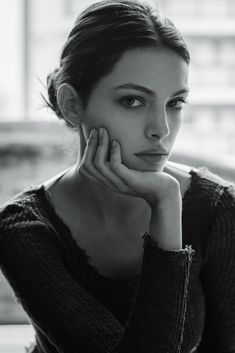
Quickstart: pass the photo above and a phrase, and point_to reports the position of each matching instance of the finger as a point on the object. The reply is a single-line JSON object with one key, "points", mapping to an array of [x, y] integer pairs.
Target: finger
{"points": [[102, 148], [102, 165], [95, 167], [121, 171], [94, 157], [128, 176], [85, 173], [91, 146]]}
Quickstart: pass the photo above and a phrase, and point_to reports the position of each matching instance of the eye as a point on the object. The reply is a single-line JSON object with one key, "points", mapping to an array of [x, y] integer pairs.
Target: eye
{"points": [[132, 101], [178, 103]]}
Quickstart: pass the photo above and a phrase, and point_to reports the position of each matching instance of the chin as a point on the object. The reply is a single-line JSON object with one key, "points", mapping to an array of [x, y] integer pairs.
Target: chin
{"points": [[151, 169], [146, 167]]}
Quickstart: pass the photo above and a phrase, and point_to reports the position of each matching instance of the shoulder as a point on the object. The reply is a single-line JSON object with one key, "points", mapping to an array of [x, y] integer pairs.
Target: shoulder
{"points": [[15, 210], [220, 192], [26, 233], [21, 217], [182, 173], [204, 186]]}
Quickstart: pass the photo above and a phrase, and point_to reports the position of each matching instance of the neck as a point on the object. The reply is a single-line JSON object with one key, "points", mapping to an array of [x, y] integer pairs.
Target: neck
{"points": [[105, 204]]}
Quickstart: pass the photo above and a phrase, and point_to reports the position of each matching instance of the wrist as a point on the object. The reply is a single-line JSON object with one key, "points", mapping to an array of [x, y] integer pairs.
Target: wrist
{"points": [[171, 197], [165, 222]]}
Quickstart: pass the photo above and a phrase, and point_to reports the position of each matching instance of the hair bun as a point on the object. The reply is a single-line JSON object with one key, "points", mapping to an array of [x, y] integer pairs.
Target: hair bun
{"points": [[52, 91]]}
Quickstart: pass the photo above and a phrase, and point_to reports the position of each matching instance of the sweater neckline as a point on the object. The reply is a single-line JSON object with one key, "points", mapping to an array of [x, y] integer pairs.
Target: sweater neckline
{"points": [[63, 229]]}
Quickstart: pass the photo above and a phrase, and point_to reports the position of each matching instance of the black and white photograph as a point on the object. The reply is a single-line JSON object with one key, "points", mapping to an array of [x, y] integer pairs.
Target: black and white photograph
{"points": [[117, 176]]}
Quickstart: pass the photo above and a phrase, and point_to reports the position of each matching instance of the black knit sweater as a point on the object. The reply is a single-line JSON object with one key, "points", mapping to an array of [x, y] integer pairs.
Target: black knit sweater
{"points": [[183, 300]]}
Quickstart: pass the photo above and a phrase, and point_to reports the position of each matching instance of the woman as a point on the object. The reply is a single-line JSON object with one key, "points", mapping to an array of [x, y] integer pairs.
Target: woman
{"points": [[72, 248]]}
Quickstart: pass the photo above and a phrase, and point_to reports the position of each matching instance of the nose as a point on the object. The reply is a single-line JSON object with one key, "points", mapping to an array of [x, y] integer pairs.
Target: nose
{"points": [[157, 124]]}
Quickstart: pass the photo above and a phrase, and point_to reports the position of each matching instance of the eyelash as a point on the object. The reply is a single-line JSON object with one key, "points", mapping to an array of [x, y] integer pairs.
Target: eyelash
{"points": [[140, 99], [182, 100]]}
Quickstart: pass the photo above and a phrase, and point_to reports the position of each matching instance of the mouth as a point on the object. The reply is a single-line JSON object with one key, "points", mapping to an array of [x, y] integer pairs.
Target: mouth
{"points": [[153, 157]]}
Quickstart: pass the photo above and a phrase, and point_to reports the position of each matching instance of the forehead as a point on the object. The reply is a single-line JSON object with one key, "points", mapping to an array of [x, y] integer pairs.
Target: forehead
{"points": [[159, 69]]}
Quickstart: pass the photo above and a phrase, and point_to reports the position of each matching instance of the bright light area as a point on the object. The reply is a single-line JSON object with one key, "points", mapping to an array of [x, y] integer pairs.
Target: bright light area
{"points": [[15, 338], [11, 59]]}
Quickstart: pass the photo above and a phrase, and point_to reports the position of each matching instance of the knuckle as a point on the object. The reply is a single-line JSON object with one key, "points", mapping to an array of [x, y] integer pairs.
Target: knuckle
{"points": [[85, 165], [114, 165], [84, 172], [81, 170], [120, 188], [123, 188], [97, 163], [101, 143], [101, 170]]}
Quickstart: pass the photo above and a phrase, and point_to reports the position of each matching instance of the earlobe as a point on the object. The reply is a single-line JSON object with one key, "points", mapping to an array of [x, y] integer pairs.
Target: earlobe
{"points": [[69, 103]]}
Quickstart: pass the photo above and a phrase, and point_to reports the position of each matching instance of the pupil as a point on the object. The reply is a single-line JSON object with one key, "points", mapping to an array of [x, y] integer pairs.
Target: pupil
{"points": [[130, 100]]}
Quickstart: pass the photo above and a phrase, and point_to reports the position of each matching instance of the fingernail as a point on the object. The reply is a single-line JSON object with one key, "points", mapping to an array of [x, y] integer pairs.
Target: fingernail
{"points": [[114, 143], [101, 131]]}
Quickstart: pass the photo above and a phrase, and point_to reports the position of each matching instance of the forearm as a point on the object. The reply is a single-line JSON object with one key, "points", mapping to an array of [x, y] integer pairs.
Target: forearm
{"points": [[165, 223]]}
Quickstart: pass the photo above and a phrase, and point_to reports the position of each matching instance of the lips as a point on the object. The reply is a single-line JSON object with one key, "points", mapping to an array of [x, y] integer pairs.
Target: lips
{"points": [[153, 152], [153, 155]]}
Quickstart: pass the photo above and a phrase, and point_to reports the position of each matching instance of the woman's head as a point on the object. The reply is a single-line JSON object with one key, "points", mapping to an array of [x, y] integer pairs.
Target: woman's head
{"points": [[101, 34], [114, 47]]}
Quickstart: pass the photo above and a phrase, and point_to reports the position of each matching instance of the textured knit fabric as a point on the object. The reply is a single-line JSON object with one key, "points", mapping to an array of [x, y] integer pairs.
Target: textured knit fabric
{"points": [[182, 301]]}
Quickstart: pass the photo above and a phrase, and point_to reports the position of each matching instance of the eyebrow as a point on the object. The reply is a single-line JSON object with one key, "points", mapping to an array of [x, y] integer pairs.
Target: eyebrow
{"points": [[149, 91]]}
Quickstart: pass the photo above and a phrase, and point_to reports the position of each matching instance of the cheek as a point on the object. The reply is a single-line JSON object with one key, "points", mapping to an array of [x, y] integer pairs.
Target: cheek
{"points": [[90, 121], [175, 124], [118, 125]]}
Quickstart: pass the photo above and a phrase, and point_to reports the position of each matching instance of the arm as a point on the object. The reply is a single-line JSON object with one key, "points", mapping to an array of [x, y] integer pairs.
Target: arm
{"points": [[70, 317], [218, 278], [165, 223]]}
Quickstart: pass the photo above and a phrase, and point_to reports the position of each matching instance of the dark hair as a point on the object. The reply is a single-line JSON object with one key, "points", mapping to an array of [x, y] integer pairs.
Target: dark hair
{"points": [[101, 34]]}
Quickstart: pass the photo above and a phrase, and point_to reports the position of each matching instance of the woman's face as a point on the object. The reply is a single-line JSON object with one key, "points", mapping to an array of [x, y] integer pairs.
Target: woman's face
{"points": [[140, 104]]}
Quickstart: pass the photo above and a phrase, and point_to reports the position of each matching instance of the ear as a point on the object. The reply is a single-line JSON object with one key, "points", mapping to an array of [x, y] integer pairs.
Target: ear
{"points": [[69, 103]]}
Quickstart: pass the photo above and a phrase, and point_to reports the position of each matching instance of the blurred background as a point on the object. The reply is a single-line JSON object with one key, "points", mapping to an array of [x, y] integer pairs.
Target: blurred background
{"points": [[34, 145]]}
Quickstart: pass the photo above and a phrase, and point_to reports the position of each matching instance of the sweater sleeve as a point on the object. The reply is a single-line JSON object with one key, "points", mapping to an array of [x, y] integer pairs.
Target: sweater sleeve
{"points": [[218, 276], [73, 320]]}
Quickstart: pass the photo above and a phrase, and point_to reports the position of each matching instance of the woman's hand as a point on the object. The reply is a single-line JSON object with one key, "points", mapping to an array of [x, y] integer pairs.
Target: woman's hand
{"points": [[160, 190], [114, 176]]}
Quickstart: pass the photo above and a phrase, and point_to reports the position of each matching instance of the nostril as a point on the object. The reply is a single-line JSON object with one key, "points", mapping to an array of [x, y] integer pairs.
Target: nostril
{"points": [[159, 133]]}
